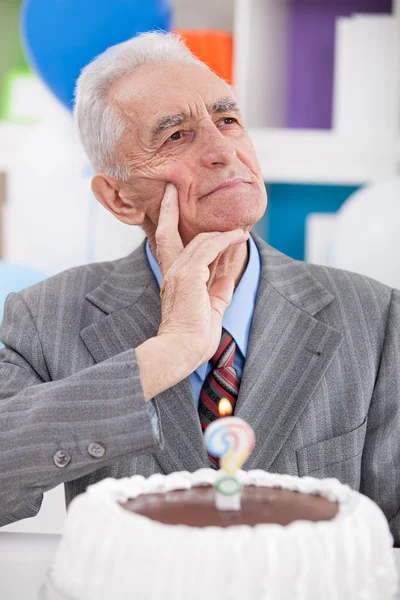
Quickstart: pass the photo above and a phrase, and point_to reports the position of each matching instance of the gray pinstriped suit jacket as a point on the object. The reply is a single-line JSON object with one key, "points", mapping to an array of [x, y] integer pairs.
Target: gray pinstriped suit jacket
{"points": [[320, 387]]}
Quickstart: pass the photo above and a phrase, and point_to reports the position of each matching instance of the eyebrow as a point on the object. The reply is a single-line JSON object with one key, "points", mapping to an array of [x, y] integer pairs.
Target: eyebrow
{"points": [[222, 105], [227, 104]]}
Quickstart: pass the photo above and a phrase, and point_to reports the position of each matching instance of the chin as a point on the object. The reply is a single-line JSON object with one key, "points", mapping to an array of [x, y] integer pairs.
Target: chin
{"points": [[229, 219], [233, 211], [225, 213]]}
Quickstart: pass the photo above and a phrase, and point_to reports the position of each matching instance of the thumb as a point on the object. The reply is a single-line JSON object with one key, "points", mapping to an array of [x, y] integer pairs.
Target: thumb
{"points": [[221, 293]]}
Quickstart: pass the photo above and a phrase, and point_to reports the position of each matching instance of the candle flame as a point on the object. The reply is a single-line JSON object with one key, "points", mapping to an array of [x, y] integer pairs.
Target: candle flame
{"points": [[224, 407]]}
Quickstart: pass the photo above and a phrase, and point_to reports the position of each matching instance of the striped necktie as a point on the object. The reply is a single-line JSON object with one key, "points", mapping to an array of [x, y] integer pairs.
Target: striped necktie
{"points": [[221, 382]]}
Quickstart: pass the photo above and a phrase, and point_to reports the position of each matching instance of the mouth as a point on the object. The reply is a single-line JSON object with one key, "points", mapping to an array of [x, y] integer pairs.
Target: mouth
{"points": [[225, 185]]}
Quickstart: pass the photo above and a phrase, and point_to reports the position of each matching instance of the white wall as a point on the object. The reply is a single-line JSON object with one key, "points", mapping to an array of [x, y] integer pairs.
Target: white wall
{"points": [[203, 14]]}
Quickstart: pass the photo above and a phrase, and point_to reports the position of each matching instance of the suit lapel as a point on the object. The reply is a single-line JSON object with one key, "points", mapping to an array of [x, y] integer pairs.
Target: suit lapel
{"points": [[130, 302], [288, 353]]}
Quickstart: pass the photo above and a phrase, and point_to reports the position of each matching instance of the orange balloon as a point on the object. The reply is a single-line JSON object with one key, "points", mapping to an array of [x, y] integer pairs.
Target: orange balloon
{"points": [[215, 48]]}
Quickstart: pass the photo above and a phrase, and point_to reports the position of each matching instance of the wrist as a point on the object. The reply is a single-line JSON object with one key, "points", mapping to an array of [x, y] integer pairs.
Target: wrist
{"points": [[164, 361]]}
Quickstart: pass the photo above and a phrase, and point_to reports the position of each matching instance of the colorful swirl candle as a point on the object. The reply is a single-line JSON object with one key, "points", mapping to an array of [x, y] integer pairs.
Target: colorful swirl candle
{"points": [[232, 440]]}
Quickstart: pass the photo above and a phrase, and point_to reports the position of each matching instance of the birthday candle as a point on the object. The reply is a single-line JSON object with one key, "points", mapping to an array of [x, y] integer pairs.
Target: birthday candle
{"points": [[232, 440]]}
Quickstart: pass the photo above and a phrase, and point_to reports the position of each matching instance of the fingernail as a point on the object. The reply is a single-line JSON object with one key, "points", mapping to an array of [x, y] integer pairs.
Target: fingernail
{"points": [[169, 188]]}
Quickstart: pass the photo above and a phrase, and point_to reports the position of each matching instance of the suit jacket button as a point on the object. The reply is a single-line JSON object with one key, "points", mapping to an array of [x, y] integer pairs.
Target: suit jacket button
{"points": [[96, 450], [61, 458]]}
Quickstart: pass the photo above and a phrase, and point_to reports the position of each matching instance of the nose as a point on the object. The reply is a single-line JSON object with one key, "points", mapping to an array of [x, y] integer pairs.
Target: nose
{"points": [[217, 148]]}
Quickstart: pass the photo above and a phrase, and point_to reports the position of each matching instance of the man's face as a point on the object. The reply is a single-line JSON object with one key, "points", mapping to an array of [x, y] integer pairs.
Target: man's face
{"points": [[185, 128]]}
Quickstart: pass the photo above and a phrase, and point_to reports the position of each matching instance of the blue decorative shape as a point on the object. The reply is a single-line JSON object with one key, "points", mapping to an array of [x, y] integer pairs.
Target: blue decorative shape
{"points": [[62, 36], [288, 207]]}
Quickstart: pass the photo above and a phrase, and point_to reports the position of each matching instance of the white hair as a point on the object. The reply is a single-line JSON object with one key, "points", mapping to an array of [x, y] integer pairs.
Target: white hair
{"points": [[99, 125]]}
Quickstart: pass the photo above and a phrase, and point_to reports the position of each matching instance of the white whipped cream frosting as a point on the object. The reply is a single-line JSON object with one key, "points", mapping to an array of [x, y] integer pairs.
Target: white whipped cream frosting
{"points": [[107, 552]]}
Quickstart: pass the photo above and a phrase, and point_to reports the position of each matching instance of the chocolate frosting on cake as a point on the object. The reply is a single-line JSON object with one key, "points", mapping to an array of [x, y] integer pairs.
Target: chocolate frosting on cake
{"points": [[196, 507]]}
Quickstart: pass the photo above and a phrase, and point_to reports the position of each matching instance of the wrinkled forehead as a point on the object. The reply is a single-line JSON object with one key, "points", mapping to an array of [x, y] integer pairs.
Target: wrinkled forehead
{"points": [[154, 91]]}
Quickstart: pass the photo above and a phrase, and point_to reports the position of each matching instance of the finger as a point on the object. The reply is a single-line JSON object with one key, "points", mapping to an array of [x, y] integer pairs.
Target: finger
{"points": [[168, 241], [207, 248], [221, 293], [204, 238]]}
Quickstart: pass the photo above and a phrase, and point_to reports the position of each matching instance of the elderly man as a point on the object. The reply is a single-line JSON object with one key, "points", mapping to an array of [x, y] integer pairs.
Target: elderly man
{"points": [[115, 369]]}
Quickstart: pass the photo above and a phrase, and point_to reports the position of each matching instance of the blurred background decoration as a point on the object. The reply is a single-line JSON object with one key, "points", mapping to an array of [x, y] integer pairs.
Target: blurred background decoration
{"points": [[215, 48], [319, 87], [62, 36], [366, 235]]}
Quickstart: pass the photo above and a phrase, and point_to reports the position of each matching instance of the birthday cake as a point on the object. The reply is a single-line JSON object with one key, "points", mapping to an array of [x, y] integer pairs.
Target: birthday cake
{"points": [[165, 538]]}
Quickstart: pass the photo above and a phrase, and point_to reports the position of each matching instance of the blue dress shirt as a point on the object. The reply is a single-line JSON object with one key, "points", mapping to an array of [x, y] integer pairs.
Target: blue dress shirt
{"points": [[237, 319]]}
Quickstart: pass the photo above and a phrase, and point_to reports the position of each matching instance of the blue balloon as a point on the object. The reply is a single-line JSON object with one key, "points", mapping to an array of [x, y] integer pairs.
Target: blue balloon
{"points": [[62, 36]]}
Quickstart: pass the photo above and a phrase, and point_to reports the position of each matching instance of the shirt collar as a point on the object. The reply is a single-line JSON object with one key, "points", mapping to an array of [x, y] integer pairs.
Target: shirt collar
{"points": [[239, 314]]}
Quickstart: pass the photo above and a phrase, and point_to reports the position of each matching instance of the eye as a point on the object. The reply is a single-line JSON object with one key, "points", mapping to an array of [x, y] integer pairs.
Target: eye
{"points": [[229, 120], [175, 136]]}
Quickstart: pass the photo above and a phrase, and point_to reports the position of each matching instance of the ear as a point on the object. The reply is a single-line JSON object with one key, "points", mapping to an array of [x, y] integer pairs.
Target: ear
{"points": [[107, 191]]}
